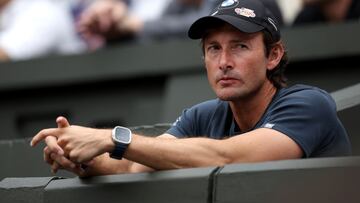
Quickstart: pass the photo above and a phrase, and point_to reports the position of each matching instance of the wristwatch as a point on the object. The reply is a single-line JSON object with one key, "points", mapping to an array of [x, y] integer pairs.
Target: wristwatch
{"points": [[121, 136]]}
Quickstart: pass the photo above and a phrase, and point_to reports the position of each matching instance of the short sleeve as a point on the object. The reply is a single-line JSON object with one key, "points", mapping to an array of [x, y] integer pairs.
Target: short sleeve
{"points": [[182, 127], [306, 117], [197, 120]]}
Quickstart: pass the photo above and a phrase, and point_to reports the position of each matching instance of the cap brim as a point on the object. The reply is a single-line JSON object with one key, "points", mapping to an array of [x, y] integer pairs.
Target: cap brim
{"points": [[199, 27]]}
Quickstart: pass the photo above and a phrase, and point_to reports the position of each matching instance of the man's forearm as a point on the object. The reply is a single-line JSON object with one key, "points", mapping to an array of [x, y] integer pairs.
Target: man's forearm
{"points": [[104, 165], [163, 154], [258, 145]]}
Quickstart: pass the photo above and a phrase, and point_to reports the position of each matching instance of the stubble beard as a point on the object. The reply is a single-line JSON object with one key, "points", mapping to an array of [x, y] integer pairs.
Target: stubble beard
{"points": [[235, 94]]}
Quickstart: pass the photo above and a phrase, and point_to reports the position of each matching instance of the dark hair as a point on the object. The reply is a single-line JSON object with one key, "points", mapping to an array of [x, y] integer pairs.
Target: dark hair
{"points": [[276, 75]]}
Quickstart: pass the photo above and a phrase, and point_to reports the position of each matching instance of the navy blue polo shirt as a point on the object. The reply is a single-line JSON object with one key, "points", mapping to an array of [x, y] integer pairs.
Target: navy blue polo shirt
{"points": [[306, 114]]}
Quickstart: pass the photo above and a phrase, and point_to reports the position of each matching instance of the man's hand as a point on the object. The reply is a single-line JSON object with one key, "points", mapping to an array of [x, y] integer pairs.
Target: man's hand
{"points": [[78, 143], [54, 154], [102, 19]]}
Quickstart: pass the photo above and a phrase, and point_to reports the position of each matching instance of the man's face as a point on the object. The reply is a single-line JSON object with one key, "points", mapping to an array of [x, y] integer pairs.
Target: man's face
{"points": [[236, 63]]}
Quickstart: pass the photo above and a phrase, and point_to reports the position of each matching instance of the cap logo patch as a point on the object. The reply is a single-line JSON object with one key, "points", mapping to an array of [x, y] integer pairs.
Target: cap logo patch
{"points": [[245, 12], [228, 3]]}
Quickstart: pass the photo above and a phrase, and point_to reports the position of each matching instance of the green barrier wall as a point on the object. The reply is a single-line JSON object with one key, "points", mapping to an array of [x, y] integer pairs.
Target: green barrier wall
{"points": [[321, 180]]}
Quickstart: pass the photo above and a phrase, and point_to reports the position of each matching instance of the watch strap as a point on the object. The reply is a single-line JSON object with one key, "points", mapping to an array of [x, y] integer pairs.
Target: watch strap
{"points": [[118, 151]]}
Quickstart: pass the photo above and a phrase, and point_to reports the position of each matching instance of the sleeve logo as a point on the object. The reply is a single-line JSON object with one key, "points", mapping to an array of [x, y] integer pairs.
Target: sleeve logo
{"points": [[269, 125]]}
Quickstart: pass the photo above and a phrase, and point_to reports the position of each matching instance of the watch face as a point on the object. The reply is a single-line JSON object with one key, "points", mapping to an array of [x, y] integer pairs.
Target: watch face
{"points": [[123, 135]]}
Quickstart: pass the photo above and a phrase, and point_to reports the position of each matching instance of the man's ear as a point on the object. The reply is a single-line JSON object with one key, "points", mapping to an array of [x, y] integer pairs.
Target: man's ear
{"points": [[275, 56]]}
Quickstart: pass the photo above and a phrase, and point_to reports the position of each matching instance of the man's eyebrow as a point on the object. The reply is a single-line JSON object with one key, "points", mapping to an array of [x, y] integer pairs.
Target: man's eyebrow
{"points": [[240, 39], [211, 42]]}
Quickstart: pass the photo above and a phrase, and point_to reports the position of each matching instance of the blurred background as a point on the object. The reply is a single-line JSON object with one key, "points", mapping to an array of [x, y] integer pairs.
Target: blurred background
{"points": [[103, 63]]}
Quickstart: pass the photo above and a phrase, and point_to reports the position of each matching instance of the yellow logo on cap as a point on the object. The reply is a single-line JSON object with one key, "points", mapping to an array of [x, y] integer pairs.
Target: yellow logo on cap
{"points": [[245, 12]]}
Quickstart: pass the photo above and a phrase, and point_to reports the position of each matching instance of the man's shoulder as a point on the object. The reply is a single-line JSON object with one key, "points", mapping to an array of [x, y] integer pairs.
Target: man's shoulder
{"points": [[208, 108], [303, 90], [210, 103], [306, 94]]}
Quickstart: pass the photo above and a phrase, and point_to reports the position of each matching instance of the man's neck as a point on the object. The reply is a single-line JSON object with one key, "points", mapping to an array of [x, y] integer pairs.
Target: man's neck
{"points": [[248, 112]]}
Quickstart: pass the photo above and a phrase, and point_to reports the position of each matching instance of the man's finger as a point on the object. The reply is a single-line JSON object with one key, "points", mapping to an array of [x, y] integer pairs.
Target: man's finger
{"points": [[55, 167], [43, 134], [63, 161], [46, 155], [62, 122], [53, 146]]}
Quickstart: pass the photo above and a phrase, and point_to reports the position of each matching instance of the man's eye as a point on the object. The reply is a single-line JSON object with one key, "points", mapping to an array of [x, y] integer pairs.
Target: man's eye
{"points": [[213, 48], [240, 46]]}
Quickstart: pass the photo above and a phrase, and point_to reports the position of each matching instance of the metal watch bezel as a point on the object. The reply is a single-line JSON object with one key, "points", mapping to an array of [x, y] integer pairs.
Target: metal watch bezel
{"points": [[116, 139]]}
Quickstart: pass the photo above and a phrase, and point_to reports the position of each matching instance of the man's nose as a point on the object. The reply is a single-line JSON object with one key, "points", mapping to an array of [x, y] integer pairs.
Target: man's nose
{"points": [[225, 61]]}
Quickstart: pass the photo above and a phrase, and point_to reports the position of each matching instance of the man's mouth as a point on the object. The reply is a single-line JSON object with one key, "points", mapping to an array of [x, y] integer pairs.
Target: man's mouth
{"points": [[226, 80]]}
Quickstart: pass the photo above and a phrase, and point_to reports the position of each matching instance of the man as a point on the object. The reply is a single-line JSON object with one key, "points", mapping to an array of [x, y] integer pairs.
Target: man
{"points": [[254, 118]]}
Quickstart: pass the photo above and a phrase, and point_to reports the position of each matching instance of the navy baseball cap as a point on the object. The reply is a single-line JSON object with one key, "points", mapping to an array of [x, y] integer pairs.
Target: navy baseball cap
{"points": [[248, 16]]}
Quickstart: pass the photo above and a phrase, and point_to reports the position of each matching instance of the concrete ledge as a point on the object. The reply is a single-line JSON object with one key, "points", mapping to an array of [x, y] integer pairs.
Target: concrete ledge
{"points": [[188, 185], [308, 180], [13, 190], [347, 98], [318, 180]]}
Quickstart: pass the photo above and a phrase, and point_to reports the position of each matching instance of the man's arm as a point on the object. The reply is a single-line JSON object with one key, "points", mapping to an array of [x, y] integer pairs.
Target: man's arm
{"points": [[82, 145], [100, 165], [258, 145], [59, 147]]}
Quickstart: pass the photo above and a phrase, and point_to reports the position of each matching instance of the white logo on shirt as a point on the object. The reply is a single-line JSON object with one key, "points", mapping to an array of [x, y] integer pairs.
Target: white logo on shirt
{"points": [[177, 120], [269, 125]]}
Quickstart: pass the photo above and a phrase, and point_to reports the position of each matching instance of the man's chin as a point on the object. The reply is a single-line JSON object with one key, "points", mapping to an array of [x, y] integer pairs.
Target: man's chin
{"points": [[228, 97], [231, 96]]}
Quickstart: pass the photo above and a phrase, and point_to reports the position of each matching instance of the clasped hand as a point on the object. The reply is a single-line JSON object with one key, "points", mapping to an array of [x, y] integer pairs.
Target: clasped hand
{"points": [[71, 147]]}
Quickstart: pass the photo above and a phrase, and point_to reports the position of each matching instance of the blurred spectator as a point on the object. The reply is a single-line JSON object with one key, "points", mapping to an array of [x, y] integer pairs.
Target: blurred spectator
{"points": [[289, 10], [176, 19], [180, 14], [319, 11], [110, 19], [147, 9], [33, 28]]}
